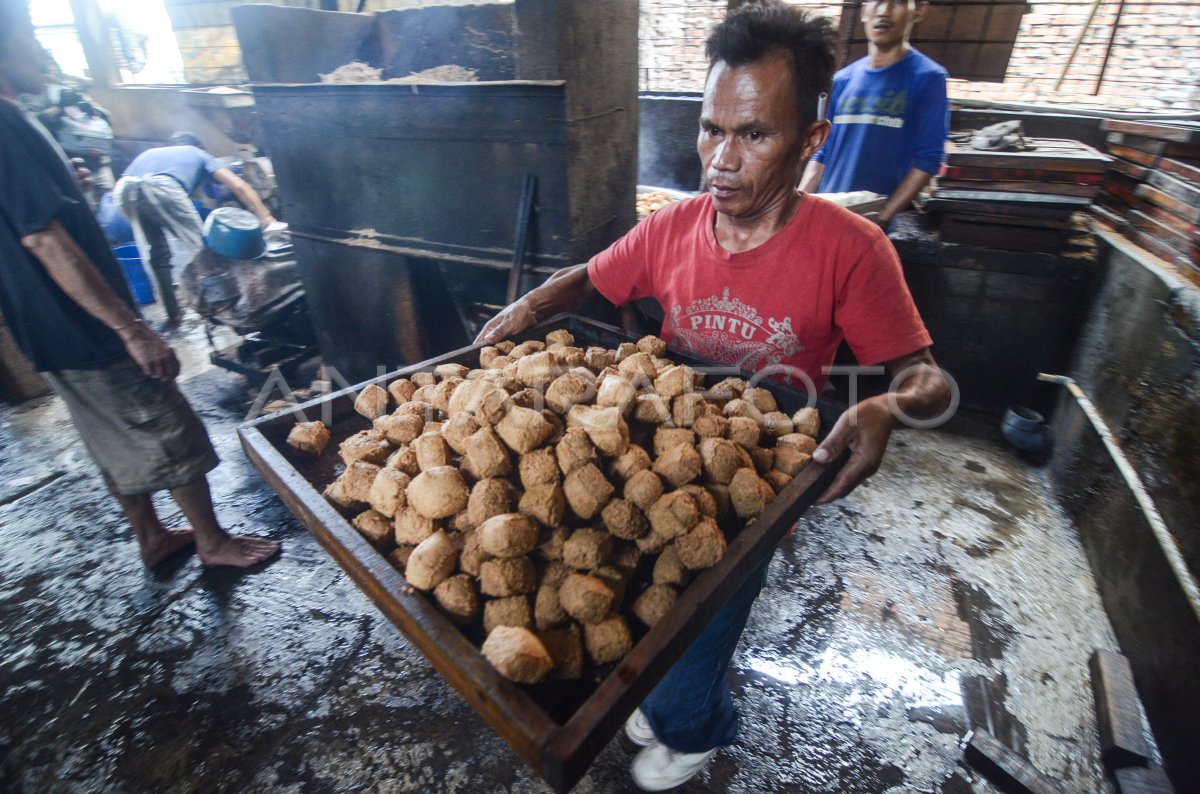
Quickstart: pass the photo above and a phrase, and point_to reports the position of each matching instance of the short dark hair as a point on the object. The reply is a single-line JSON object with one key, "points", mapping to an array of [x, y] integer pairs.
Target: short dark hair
{"points": [[759, 29], [185, 139]]}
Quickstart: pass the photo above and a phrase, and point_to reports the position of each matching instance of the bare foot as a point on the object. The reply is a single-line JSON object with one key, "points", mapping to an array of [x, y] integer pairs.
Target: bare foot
{"points": [[239, 551], [162, 546]]}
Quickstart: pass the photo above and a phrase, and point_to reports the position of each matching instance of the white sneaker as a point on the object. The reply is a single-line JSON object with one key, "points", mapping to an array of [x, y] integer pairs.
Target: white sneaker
{"points": [[658, 767], [638, 729]]}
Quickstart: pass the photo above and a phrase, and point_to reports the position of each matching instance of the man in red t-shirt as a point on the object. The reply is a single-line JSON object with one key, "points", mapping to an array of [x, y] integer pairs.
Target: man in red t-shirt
{"points": [[756, 275]]}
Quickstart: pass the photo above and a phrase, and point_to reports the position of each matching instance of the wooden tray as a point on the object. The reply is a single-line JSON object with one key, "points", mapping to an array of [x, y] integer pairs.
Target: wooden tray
{"points": [[557, 728]]}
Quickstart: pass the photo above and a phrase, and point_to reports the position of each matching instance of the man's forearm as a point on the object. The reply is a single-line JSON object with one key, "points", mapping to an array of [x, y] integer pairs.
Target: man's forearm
{"points": [[903, 195], [812, 177], [249, 199], [923, 392], [74, 273], [567, 289]]}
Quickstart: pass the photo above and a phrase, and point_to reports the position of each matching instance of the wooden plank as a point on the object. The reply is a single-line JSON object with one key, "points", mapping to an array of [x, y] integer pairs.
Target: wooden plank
{"points": [[1176, 188], [1008, 234], [1159, 148], [1170, 219], [1186, 211], [1040, 188], [1032, 174], [1009, 771], [559, 749], [1180, 170], [1118, 711], [1180, 133], [1126, 168], [1051, 154], [1134, 155], [1143, 780]]}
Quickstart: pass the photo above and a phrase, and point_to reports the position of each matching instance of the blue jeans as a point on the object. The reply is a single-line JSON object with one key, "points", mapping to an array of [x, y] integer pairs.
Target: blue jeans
{"points": [[691, 710]]}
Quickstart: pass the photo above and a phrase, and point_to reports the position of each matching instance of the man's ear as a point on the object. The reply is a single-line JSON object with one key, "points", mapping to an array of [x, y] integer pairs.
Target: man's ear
{"points": [[814, 138]]}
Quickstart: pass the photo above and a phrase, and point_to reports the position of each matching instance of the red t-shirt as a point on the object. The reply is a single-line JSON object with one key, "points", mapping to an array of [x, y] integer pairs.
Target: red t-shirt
{"points": [[828, 275]]}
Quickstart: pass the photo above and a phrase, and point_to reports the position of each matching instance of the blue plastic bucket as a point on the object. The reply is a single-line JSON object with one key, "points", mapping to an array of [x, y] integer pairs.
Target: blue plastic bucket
{"points": [[135, 274]]}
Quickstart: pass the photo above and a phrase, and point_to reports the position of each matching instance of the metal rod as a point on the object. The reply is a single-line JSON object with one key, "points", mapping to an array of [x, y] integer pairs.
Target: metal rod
{"points": [[1112, 37], [1162, 532], [521, 238], [1078, 41]]}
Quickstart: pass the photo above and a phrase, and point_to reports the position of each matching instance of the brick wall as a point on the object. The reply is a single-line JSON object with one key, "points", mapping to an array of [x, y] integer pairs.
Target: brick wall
{"points": [[1154, 63]]}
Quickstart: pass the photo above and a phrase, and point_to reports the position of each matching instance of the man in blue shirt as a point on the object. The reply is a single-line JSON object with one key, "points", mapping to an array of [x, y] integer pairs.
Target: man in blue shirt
{"points": [[889, 112], [155, 195]]}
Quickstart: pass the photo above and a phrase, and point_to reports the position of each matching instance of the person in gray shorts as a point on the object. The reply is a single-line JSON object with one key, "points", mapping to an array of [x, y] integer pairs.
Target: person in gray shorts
{"points": [[68, 307], [155, 192]]}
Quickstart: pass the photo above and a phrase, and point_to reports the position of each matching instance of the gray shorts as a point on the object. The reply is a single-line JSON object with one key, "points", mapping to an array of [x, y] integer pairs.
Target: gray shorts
{"points": [[141, 432]]}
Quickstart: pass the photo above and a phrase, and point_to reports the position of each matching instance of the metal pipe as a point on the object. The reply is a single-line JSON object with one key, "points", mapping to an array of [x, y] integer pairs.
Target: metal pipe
{"points": [[1078, 41], [1112, 37], [1162, 533]]}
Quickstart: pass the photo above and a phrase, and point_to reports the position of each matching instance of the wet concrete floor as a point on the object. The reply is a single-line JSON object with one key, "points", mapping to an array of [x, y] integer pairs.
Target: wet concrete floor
{"points": [[949, 593]]}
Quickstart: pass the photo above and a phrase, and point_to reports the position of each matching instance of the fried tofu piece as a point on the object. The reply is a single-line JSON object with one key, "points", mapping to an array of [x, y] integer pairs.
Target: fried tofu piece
{"points": [[402, 390], [673, 514], [587, 491], [548, 611], [744, 431], [372, 402], [550, 544], [633, 460], [376, 528], [517, 654], [644, 488], [748, 493], [797, 441], [431, 450], [489, 497], [575, 450], [586, 598], [674, 381], [624, 520], [777, 480], [807, 421], [400, 428], [703, 546], [457, 597], [538, 370], [776, 424], [609, 640], [667, 437], [439, 492], [538, 467], [704, 499], [512, 611], [654, 603], [651, 409], [507, 577], [678, 466], [457, 430], [523, 429], [761, 398], [486, 454], [710, 425], [309, 438], [431, 562], [720, 459], [586, 549], [404, 460], [508, 535], [388, 491], [669, 568], [791, 461], [687, 408], [598, 358], [566, 649], [353, 486], [368, 446], [546, 503], [471, 557], [604, 426], [412, 528], [568, 389], [653, 346], [616, 392]]}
